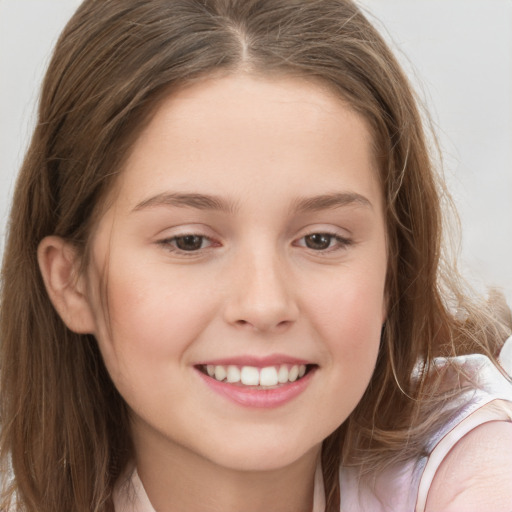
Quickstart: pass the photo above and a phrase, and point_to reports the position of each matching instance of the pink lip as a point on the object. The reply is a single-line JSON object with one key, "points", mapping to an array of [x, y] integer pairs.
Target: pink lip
{"points": [[258, 362], [259, 398]]}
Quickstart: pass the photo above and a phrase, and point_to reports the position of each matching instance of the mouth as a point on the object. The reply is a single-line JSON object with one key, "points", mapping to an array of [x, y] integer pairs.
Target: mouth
{"points": [[254, 377]]}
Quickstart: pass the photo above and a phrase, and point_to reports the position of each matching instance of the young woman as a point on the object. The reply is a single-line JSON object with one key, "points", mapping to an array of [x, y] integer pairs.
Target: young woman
{"points": [[222, 287]]}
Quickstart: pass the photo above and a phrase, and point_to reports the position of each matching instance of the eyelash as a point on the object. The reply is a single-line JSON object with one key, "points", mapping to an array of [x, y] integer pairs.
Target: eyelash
{"points": [[170, 244], [341, 243]]}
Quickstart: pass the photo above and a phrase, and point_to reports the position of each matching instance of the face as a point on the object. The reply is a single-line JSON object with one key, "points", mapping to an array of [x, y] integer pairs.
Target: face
{"points": [[245, 240]]}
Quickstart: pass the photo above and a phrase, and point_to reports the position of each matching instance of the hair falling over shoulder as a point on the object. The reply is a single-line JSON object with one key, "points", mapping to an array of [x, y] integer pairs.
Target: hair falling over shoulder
{"points": [[64, 428]]}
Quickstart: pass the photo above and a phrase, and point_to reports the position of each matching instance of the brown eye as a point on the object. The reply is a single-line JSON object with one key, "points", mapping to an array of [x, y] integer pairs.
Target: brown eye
{"points": [[189, 242], [318, 241]]}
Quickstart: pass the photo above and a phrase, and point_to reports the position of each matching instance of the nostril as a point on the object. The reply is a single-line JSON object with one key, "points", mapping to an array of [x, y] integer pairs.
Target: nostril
{"points": [[263, 326]]}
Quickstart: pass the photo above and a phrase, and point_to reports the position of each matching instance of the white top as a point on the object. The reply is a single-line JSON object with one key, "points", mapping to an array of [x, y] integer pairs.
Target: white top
{"points": [[404, 488]]}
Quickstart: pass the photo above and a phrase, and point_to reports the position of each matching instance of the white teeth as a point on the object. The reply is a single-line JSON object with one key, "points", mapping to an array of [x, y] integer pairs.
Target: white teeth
{"points": [[233, 374], [252, 376], [293, 373], [268, 376], [282, 375], [220, 373]]}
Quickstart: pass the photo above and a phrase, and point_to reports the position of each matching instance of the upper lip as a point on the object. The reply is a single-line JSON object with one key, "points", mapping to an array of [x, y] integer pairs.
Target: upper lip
{"points": [[256, 361]]}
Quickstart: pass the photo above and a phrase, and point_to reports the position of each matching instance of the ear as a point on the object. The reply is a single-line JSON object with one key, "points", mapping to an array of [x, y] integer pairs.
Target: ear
{"points": [[59, 264]]}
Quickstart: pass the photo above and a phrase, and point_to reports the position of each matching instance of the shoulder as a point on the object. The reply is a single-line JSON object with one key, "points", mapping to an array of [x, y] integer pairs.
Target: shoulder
{"points": [[476, 475]]}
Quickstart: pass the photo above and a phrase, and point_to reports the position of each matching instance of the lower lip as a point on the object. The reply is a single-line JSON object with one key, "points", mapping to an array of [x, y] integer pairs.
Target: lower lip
{"points": [[259, 398]]}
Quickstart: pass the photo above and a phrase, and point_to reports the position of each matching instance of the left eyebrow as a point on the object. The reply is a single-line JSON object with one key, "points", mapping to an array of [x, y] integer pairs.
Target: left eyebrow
{"points": [[330, 201]]}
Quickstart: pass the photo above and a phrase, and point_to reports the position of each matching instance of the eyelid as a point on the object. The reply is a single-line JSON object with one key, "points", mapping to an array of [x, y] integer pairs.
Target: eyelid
{"points": [[343, 241], [169, 236], [180, 230], [168, 245]]}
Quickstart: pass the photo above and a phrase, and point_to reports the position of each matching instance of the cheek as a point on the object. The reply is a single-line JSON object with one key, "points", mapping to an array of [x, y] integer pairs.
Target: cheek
{"points": [[348, 316], [154, 317]]}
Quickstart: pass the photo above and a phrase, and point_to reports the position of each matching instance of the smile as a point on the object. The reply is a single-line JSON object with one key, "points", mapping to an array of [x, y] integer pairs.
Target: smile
{"points": [[251, 386], [266, 377]]}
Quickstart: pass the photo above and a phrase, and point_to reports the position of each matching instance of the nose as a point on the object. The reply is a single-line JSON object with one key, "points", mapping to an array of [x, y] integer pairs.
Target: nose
{"points": [[261, 295]]}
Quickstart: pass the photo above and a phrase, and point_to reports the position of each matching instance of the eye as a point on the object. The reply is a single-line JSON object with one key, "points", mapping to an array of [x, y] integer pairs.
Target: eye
{"points": [[187, 243], [323, 241], [318, 241]]}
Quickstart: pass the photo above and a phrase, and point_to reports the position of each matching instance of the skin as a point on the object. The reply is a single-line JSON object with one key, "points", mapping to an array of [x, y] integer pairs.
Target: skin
{"points": [[476, 476], [263, 148]]}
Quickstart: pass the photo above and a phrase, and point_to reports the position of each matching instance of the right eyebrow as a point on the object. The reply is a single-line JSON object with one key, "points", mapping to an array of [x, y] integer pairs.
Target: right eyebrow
{"points": [[186, 200], [331, 201]]}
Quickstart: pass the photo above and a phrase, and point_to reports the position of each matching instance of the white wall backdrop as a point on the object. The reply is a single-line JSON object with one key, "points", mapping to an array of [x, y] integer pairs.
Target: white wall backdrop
{"points": [[458, 52]]}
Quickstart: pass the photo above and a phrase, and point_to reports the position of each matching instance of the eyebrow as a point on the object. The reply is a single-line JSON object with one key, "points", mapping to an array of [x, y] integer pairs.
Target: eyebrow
{"points": [[187, 200], [211, 202], [330, 201]]}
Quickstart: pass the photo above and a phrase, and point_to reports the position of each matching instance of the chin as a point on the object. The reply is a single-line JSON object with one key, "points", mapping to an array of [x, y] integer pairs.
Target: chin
{"points": [[257, 455]]}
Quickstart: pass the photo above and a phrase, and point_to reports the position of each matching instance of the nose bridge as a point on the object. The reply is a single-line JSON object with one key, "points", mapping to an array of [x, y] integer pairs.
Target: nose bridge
{"points": [[262, 295]]}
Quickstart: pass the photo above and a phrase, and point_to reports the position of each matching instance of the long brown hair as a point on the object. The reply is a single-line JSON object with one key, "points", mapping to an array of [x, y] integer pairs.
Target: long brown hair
{"points": [[64, 426]]}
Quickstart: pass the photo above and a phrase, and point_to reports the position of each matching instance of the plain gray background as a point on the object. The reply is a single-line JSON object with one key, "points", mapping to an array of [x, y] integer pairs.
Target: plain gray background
{"points": [[457, 52]]}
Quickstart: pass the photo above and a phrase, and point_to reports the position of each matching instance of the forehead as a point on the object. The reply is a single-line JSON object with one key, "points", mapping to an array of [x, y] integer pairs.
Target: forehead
{"points": [[237, 130]]}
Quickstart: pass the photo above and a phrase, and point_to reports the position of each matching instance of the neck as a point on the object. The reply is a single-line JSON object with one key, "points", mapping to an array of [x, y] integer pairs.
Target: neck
{"points": [[176, 479]]}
